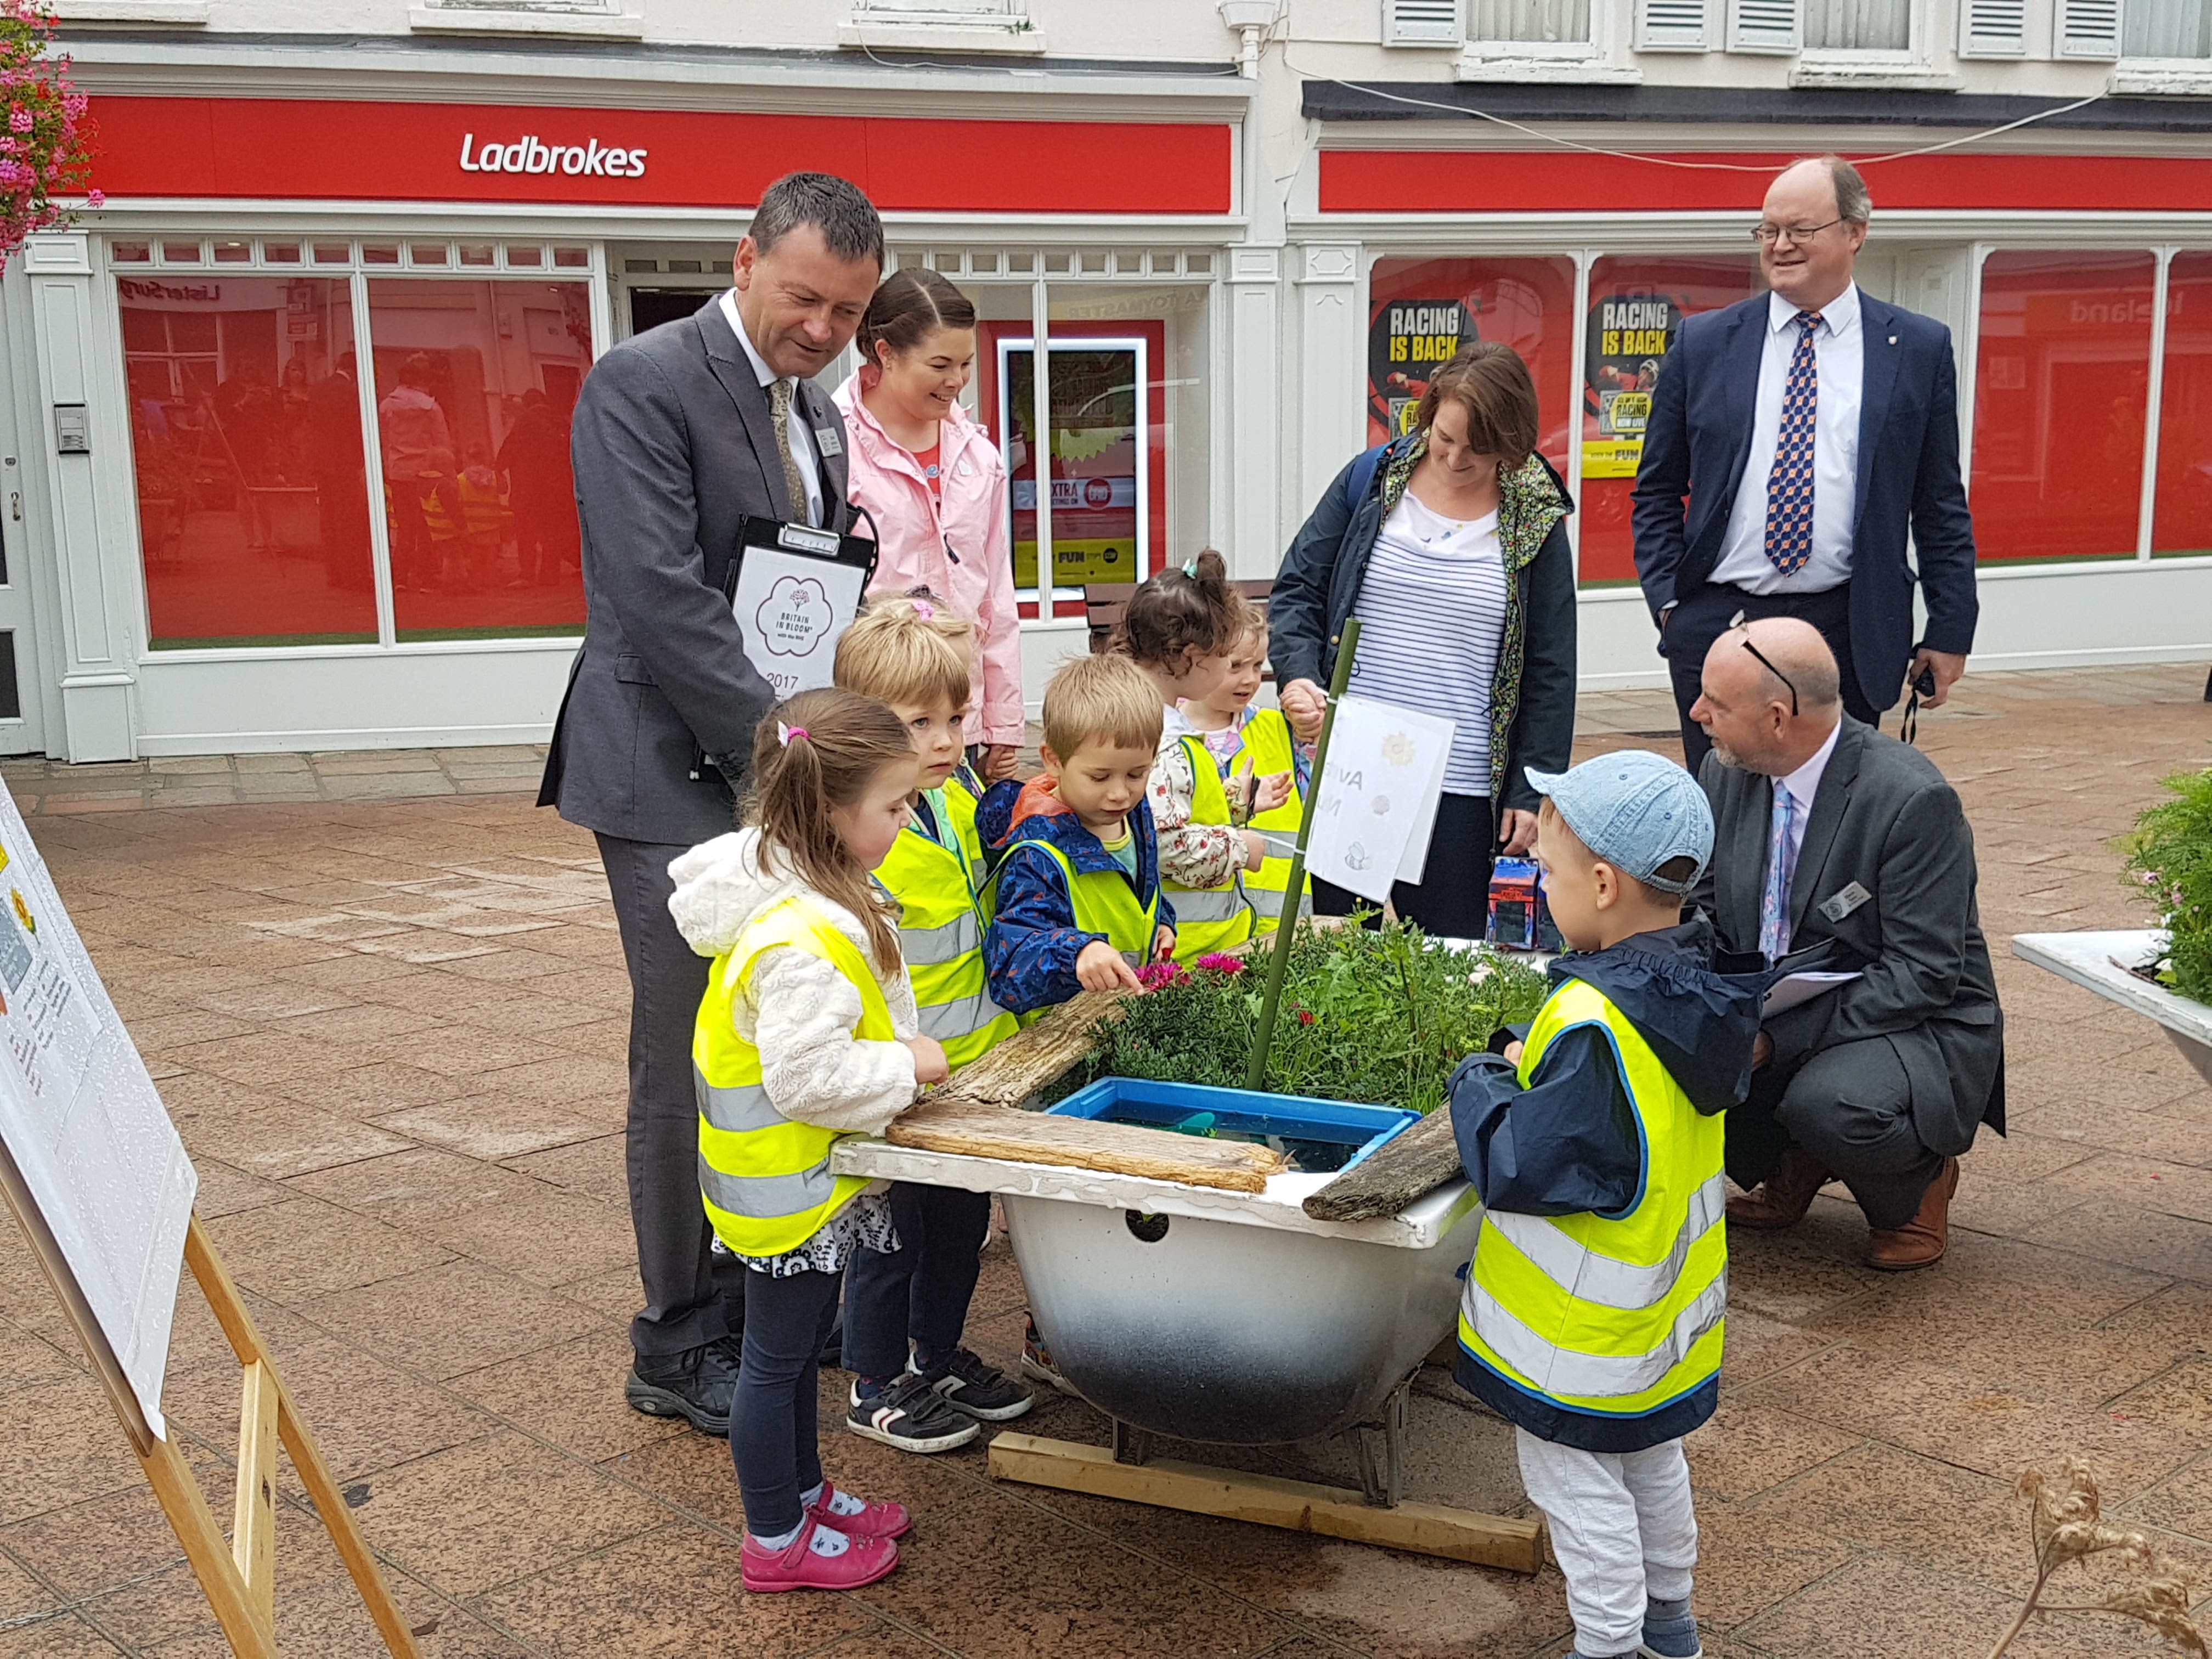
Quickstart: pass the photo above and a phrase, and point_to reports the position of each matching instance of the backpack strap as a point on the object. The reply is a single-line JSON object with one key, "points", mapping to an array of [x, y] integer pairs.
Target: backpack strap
{"points": [[1362, 476]]}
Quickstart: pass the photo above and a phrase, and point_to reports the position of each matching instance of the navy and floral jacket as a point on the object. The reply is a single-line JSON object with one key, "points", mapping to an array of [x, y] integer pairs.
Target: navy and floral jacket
{"points": [[1031, 946]]}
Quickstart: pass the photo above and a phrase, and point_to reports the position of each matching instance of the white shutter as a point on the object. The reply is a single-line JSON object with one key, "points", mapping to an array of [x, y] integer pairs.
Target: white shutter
{"points": [[1993, 28], [1424, 22], [1671, 26], [1763, 26], [2088, 28]]}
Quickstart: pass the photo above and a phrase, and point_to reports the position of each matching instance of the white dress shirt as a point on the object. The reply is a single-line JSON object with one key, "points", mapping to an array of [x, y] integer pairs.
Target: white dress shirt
{"points": [[1803, 784], [802, 437], [1839, 348]]}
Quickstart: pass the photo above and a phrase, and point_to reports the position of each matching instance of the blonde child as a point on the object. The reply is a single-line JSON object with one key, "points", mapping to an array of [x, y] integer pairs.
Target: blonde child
{"points": [[1249, 743], [807, 1032], [913, 653], [1179, 628]]}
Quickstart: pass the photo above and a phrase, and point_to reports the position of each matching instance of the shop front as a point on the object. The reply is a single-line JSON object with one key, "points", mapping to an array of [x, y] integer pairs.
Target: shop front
{"points": [[319, 361]]}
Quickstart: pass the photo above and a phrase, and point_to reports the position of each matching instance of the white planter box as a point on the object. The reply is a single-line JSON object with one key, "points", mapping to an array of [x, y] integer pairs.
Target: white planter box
{"points": [[2099, 963]]}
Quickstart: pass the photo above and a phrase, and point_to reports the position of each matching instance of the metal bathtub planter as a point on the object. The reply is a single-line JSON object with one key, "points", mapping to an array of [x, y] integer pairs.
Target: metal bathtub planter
{"points": [[2102, 961], [1217, 1315]]}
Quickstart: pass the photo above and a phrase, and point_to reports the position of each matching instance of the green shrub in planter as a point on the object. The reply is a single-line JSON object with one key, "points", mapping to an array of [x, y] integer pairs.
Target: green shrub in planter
{"points": [[1381, 1016], [2170, 853]]}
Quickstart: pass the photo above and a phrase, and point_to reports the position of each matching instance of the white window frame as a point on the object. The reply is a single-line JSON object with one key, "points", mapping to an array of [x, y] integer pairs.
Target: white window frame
{"points": [[592, 20], [1844, 66], [1593, 60], [942, 26], [2168, 76]]}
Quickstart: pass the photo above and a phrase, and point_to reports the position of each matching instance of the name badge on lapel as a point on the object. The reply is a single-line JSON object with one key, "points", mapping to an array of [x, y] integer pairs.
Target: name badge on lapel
{"points": [[828, 441], [1839, 905]]}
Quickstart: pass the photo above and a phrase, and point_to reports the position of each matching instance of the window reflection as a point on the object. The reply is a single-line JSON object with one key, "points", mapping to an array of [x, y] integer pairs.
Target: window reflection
{"points": [[245, 441], [476, 382], [2184, 524]]}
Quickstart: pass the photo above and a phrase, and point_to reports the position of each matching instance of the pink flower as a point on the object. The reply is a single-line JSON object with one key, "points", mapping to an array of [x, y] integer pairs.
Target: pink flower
{"points": [[1154, 974], [10, 172], [1220, 962], [95, 199], [20, 120]]}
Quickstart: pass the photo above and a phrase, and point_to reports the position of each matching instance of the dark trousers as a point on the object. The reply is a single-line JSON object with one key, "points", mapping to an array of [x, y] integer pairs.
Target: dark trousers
{"points": [[692, 1296], [1452, 899], [1850, 1107], [1694, 625], [922, 1290], [774, 1430]]}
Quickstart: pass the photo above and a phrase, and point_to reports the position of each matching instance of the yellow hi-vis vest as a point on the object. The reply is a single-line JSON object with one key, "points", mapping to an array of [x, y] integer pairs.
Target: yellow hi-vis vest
{"points": [[941, 936], [1208, 918], [1104, 901], [1615, 1316], [1266, 740], [963, 792], [765, 1177]]}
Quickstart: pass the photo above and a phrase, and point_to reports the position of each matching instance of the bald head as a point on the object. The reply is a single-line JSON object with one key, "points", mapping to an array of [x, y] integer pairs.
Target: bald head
{"points": [[1772, 694]]}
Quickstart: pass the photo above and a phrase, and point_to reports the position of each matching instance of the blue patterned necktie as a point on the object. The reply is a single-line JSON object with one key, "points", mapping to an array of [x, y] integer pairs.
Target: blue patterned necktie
{"points": [[1789, 486], [1774, 903]]}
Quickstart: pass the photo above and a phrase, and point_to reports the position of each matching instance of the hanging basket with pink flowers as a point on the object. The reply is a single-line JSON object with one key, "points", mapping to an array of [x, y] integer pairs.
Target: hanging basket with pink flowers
{"points": [[45, 150]]}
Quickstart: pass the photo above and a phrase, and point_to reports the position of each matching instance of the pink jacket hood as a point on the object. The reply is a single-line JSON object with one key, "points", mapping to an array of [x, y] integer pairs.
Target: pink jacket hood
{"points": [[976, 576]]}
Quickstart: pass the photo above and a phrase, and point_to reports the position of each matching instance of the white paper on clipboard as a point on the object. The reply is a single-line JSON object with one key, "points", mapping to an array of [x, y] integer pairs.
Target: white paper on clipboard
{"points": [[791, 609], [1788, 993]]}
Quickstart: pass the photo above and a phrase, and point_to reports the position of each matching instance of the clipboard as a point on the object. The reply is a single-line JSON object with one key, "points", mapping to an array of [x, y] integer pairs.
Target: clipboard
{"points": [[794, 590]]}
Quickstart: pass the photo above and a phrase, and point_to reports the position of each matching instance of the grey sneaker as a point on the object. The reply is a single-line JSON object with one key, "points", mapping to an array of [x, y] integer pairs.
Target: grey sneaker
{"points": [[909, 1414], [1675, 1637]]}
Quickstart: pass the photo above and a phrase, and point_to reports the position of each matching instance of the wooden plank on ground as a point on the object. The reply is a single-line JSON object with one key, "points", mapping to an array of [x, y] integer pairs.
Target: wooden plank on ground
{"points": [[977, 1130], [1409, 1164], [1490, 1541]]}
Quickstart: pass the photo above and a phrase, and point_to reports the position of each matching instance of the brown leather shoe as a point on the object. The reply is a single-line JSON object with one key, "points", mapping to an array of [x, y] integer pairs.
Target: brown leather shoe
{"points": [[1782, 1198], [1921, 1242]]}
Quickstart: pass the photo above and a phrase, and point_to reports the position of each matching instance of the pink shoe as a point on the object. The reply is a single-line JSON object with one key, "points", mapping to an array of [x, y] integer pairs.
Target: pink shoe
{"points": [[876, 1521], [799, 1567]]}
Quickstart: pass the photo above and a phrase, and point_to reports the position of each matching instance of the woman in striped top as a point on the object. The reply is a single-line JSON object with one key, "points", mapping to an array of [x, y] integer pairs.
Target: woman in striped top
{"points": [[1449, 544]]}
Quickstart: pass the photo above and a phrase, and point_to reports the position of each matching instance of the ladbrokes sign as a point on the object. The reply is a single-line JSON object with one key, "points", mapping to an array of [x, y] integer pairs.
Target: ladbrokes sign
{"points": [[529, 154]]}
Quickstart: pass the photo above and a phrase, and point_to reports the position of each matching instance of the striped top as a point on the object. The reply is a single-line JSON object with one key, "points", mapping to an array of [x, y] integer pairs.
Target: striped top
{"points": [[1432, 611]]}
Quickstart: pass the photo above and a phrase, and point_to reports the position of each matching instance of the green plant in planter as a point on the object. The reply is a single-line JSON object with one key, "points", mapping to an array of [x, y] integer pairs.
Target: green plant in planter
{"points": [[1380, 1015], [2170, 853]]}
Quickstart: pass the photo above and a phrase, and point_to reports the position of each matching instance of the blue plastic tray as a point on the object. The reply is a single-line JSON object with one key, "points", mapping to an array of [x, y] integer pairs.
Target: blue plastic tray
{"points": [[1291, 1117]]}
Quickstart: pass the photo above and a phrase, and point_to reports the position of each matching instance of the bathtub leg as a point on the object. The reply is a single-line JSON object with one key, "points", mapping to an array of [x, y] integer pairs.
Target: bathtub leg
{"points": [[1383, 1486], [1132, 1446]]}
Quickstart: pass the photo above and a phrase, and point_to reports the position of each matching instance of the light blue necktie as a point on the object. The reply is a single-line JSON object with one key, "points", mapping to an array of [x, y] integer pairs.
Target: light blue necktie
{"points": [[1774, 903], [1790, 485]]}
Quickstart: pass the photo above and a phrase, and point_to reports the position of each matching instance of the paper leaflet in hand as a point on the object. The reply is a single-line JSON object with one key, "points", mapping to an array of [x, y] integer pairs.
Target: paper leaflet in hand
{"points": [[1375, 804], [1788, 992]]}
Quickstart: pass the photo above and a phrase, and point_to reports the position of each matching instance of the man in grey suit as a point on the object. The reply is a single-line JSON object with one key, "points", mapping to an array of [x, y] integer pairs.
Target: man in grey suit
{"points": [[679, 435], [1838, 848]]}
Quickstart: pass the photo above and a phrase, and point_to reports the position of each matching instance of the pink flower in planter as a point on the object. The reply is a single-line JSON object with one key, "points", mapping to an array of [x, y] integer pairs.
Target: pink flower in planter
{"points": [[1305, 1017], [20, 120], [1220, 962]]}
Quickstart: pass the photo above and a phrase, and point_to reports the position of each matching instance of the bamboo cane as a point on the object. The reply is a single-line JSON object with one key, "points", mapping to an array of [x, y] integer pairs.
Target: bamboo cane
{"points": [[1279, 962]]}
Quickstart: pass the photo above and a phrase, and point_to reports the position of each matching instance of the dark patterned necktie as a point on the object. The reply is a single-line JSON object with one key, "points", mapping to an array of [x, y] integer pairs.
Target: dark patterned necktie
{"points": [[1789, 486], [779, 406]]}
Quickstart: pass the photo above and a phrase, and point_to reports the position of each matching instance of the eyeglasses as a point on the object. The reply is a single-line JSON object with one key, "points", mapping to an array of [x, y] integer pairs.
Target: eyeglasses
{"points": [[1767, 663], [1766, 235]]}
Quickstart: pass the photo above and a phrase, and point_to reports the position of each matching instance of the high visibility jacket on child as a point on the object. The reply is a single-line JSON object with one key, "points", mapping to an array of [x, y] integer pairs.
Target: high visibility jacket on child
{"points": [[941, 929], [765, 1177], [1208, 918], [1266, 738], [1615, 1316]]}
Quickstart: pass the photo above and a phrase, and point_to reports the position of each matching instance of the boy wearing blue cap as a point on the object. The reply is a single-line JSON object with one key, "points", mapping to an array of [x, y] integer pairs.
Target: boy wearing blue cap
{"points": [[1593, 1308]]}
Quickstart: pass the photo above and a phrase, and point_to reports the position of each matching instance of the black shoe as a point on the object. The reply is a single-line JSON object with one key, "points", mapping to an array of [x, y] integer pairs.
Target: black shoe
{"points": [[909, 1415], [975, 1390], [698, 1384]]}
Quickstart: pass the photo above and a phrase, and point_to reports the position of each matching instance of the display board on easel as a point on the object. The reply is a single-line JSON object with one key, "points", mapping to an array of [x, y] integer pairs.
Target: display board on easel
{"points": [[93, 1170]]}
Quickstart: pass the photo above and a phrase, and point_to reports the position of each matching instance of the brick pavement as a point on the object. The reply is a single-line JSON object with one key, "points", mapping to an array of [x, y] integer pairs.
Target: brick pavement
{"points": [[391, 1032]]}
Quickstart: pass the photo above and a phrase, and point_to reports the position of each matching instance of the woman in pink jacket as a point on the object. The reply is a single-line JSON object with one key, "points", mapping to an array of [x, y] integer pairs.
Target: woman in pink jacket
{"points": [[937, 488]]}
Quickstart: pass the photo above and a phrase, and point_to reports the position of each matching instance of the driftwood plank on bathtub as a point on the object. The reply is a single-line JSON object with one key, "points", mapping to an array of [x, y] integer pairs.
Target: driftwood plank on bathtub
{"points": [[1037, 1056], [1409, 1164], [976, 1129]]}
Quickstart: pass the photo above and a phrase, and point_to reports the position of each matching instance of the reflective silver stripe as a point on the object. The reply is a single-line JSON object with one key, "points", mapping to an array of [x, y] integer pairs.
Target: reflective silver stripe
{"points": [[767, 1198], [737, 1109], [1559, 1371], [1268, 901], [1582, 1272], [1206, 903], [930, 947], [946, 1020]]}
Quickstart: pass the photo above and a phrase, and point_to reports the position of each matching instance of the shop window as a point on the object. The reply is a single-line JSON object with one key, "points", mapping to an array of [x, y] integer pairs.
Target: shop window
{"points": [[2061, 388], [130, 253], [1636, 305], [2182, 523], [476, 382], [246, 443], [279, 253], [333, 253]]}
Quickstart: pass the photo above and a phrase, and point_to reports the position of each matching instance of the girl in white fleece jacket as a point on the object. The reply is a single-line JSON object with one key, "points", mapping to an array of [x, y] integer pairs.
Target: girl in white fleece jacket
{"points": [[807, 1031]]}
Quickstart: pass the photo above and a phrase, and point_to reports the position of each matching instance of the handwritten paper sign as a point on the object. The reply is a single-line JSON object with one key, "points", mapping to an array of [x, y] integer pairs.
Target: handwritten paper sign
{"points": [[1375, 805], [793, 608], [94, 1152]]}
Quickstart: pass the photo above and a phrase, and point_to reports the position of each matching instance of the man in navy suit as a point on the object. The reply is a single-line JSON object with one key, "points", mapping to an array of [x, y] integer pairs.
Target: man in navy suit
{"points": [[1795, 439]]}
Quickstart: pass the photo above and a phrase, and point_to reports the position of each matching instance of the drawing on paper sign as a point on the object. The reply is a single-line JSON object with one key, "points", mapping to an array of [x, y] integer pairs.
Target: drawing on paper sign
{"points": [[795, 617], [1381, 806], [1355, 857], [1398, 749], [1376, 801]]}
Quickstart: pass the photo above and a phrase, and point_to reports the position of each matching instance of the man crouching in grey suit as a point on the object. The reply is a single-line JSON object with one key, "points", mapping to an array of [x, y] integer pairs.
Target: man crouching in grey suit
{"points": [[679, 435], [1838, 848]]}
